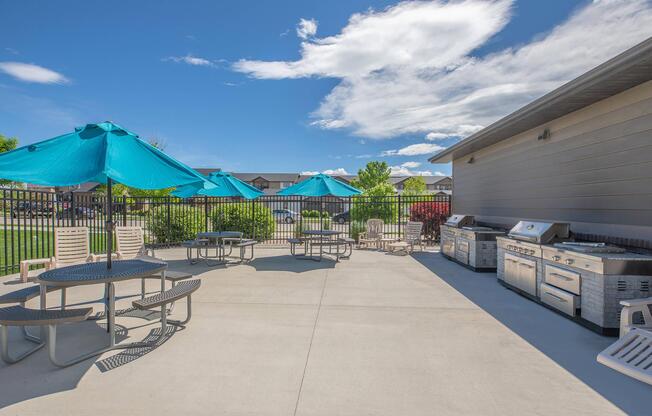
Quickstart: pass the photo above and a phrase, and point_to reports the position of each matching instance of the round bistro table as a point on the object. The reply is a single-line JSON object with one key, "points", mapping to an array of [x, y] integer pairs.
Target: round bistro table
{"points": [[97, 273]]}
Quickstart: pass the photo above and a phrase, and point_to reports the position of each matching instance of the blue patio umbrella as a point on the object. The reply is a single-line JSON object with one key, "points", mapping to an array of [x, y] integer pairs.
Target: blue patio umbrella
{"points": [[102, 152], [227, 186], [320, 185]]}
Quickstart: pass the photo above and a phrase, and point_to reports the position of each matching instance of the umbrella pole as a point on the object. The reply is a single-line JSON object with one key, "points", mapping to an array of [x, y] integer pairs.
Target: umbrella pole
{"points": [[109, 222]]}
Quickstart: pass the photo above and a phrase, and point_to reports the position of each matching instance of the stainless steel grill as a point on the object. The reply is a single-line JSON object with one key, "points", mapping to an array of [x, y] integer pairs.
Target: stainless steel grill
{"points": [[540, 232], [460, 220]]}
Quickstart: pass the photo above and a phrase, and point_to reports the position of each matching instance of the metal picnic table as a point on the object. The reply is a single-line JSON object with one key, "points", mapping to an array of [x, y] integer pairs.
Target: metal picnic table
{"points": [[321, 238], [217, 241], [98, 273]]}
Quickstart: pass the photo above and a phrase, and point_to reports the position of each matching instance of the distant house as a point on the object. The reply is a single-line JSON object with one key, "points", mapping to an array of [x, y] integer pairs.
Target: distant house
{"points": [[271, 183], [84, 192], [434, 184]]}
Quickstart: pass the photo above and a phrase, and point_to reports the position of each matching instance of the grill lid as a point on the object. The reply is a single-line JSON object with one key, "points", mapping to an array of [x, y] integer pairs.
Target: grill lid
{"points": [[540, 232], [460, 220]]}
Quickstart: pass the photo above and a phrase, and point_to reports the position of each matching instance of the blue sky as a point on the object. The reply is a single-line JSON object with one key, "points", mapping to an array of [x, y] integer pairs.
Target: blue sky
{"points": [[250, 86]]}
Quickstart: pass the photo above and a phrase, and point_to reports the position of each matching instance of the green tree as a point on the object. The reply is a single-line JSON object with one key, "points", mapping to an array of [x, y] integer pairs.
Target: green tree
{"points": [[7, 144], [374, 174], [414, 186]]}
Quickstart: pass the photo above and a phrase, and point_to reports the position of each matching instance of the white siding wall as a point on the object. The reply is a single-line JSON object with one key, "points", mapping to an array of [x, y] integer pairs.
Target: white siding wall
{"points": [[595, 171]]}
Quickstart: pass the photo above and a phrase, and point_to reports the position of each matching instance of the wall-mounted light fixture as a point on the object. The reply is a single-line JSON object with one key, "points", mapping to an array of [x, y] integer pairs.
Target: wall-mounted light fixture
{"points": [[545, 135], [471, 160]]}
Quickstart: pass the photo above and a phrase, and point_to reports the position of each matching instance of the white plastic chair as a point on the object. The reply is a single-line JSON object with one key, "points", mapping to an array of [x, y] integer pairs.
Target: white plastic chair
{"points": [[71, 246], [632, 353], [373, 233], [130, 244]]}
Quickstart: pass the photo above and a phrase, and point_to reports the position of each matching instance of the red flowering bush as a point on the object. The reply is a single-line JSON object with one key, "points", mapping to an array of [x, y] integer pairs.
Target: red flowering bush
{"points": [[432, 215]]}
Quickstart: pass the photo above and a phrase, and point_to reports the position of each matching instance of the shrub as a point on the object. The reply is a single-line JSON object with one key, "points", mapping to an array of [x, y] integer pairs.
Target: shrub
{"points": [[357, 227], [384, 208], [377, 202], [239, 217], [311, 224], [313, 213], [432, 215], [184, 224]]}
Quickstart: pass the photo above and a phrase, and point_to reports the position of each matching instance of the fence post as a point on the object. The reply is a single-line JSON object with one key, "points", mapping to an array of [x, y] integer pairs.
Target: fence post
{"points": [[205, 213], [124, 210], [169, 202], [253, 219], [400, 212], [73, 214]]}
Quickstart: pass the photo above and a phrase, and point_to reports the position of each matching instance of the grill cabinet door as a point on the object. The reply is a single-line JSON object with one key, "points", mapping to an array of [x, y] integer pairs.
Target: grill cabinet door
{"points": [[527, 276]]}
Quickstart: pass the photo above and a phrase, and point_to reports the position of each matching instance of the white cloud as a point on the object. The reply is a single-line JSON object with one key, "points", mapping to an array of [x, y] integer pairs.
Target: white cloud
{"points": [[414, 150], [190, 60], [433, 83], [32, 73], [411, 165], [403, 170], [338, 171], [437, 136], [307, 28]]}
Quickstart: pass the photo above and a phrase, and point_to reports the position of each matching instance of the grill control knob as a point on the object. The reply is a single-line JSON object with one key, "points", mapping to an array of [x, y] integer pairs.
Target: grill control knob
{"points": [[569, 261], [556, 258]]}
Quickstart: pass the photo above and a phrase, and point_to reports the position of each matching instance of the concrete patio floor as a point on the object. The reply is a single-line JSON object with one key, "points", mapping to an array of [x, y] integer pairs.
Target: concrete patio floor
{"points": [[375, 335]]}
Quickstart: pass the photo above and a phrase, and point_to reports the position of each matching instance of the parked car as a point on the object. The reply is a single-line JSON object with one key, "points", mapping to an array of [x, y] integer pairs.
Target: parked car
{"points": [[342, 217], [32, 209], [285, 215], [79, 213]]}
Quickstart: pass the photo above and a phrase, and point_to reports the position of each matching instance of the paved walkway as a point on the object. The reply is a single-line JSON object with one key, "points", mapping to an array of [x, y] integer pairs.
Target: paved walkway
{"points": [[375, 335]]}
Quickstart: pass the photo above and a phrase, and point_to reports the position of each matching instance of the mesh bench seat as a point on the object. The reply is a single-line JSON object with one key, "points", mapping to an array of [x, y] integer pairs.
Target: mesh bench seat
{"points": [[182, 290], [162, 299], [242, 245], [23, 295], [349, 242], [246, 243], [21, 316], [294, 242], [171, 276]]}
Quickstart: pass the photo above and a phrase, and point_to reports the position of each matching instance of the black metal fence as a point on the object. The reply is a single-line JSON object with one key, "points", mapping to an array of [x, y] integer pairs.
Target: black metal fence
{"points": [[30, 217]]}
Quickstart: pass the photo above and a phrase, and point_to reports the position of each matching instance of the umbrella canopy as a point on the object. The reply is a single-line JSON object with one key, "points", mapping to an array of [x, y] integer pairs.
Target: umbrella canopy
{"points": [[103, 152], [96, 153], [320, 185], [227, 185]]}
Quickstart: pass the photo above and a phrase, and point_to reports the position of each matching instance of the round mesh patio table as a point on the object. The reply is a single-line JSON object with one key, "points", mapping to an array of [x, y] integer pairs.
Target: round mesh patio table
{"points": [[98, 273]]}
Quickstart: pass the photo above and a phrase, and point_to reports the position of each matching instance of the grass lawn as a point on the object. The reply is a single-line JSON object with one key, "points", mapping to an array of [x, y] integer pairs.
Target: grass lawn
{"points": [[31, 244]]}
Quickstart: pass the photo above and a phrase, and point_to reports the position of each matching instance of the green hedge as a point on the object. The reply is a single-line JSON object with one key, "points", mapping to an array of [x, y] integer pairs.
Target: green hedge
{"points": [[383, 208], [259, 225], [184, 224], [313, 213], [311, 224]]}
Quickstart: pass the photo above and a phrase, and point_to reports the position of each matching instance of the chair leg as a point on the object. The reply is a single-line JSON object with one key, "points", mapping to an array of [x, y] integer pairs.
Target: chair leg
{"points": [[4, 348]]}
